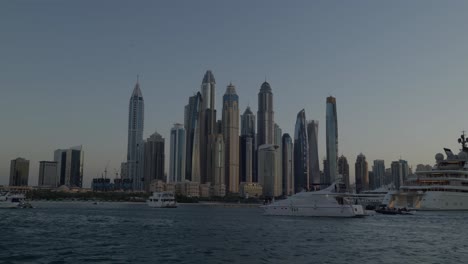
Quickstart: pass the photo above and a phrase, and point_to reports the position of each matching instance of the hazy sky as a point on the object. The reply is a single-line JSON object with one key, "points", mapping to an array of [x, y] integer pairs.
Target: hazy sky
{"points": [[399, 71]]}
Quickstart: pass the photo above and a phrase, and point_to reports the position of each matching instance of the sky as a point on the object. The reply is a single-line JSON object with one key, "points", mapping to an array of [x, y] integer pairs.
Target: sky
{"points": [[398, 70]]}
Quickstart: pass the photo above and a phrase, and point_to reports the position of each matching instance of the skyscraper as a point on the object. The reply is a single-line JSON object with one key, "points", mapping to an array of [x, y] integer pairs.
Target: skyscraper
{"points": [[47, 174], [343, 170], [268, 170], [230, 129], [265, 116], [177, 152], [154, 160], [248, 168], [400, 172], [288, 165], [279, 142], [193, 117], [379, 173], [218, 184], [314, 169], [301, 153], [70, 166], [19, 172], [361, 173], [208, 127], [135, 148], [332, 140]]}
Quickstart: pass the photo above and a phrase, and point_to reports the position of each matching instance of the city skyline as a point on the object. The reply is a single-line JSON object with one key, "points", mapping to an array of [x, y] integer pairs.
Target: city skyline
{"points": [[84, 103]]}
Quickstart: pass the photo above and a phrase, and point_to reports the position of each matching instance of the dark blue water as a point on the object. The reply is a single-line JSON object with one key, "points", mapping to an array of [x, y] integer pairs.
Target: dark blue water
{"points": [[66, 232]]}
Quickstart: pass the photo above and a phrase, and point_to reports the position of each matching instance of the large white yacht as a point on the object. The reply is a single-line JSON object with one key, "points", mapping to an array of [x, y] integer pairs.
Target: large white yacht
{"points": [[162, 200], [327, 202], [445, 187], [10, 200]]}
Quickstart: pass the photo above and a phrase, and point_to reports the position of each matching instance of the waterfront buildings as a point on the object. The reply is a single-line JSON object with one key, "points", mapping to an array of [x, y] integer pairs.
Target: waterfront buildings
{"points": [[177, 154], [70, 166], [154, 160], [288, 164], [19, 172], [361, 173], [135, 149], [192, 123], [47, 174], [230, 129], [268, 170], [265, 116], [314, 169], [400, 172], [379, 173], [248, 157], [331, 140], [301, 153], [343, 170]]}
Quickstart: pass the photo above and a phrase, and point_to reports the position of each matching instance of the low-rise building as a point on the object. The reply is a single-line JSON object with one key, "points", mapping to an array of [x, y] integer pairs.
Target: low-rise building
{"points": [[250, 189]]}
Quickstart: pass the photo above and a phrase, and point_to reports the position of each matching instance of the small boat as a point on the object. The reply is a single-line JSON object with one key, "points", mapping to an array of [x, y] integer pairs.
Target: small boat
{"points": [[393, 211], [162, 200], [10, 200]]}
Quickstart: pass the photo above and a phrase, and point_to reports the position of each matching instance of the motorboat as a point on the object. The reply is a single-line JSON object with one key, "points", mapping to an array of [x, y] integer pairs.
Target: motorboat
{"points": [[328, 202], [11, 200], [162, 200]]}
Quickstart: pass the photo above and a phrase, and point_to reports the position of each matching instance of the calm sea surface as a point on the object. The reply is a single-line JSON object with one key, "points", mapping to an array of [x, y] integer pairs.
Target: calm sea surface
{"points": [[79, 232]]}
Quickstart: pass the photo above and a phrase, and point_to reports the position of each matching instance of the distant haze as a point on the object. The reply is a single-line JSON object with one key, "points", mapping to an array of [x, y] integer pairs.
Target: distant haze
{"points": [[398, 70]]}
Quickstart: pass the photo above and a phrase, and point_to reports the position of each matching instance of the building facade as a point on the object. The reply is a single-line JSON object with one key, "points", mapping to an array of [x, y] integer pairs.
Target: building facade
{"points": [[379, 173], [361, 174], [343, 170], [154, 160], [19, 172], [70, 166], [230, 129], [288, 165], [268, 174], [47, 174], [135, 148], [177, 154], [301, 154], [400, 171], [331, 140], [314, 167]]}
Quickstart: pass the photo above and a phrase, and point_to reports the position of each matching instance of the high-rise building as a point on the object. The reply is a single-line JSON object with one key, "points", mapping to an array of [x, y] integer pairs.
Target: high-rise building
{"points": [[177, 152], [343, 170], [192, 123], [123, 170], [135, 148], [208, 127], [268, 170], [332, 140], [218, 184], [400, 172], [279, 142], [372, 180], [301, 153], [230, 128], [314, 169], [47, 173], [288, 165], [379, 173], [70, 166], [361, 174], [324, 175], [154, 160], [19, 172], [248, 157], [265, 116]]}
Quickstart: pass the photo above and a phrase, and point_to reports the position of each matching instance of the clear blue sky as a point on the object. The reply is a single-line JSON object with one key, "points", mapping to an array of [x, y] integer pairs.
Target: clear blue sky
{"points": [[67, 69]]}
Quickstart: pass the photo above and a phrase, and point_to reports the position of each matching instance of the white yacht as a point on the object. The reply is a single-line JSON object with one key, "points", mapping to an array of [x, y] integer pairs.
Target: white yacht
{"points": [[10, 200], [371, 198], [327, 202], [162, 200], [445, 187]]}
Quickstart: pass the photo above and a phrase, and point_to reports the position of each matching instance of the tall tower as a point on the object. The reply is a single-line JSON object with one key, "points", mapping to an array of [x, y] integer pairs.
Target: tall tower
{"points": [[70, 166], [19, 172], [379, 173], [177, 152], [268, 167], [135, 148], [248, 157], [230, 130], [288, 165], [314, 169], [207, 129], [265, 116], [154, 160], [343, 170], [361, 173], [332, 140], [193, 117], [301, 153]]}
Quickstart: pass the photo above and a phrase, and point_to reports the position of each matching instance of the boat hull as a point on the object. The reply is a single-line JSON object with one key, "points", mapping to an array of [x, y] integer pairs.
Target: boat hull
{"points": [[428, 201], [315, 211], [9, 205]]}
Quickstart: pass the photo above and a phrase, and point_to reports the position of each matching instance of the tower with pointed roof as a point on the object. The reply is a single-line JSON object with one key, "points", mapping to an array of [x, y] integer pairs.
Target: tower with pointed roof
{"points": [[265, 116], [230, 121], [135, 146], [207, 131]]}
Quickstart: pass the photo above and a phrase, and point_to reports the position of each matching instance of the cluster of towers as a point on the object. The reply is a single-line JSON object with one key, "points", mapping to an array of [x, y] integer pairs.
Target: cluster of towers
{"points": [[236, 150]]}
